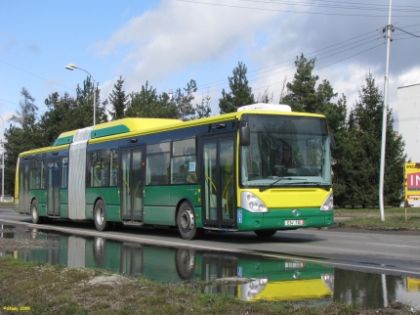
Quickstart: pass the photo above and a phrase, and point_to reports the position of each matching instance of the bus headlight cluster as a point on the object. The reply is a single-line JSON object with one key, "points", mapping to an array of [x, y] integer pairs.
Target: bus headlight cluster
{"points": [[252, 203], [328, 204]]}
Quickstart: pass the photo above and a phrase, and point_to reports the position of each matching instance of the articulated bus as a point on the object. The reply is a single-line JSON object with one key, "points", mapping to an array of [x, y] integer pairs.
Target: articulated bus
{"points": [[263, 168]]}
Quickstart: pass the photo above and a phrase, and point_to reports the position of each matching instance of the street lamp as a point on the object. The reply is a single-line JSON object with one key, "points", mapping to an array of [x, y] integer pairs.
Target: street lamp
{"points": [[72, 67]]}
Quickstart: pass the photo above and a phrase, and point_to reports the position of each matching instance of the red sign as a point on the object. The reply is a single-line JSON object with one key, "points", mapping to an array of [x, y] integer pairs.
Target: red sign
{"points": [[413, 181]]}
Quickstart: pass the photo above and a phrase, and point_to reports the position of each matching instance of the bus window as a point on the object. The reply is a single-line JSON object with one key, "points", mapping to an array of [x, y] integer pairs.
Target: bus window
{"points": [[98, 168], [158, 162], [183, 168], [35, 174]]}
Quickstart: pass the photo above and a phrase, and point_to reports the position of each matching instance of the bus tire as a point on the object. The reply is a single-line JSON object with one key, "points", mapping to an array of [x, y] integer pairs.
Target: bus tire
{"points": [[34, 212], [99, 216], [185, 222], [99, 245], [185, 263], [265, 234]]}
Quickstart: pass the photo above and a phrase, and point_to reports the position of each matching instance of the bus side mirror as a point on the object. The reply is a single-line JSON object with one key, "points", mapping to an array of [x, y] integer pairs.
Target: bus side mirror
{"points": [[244, 133]]}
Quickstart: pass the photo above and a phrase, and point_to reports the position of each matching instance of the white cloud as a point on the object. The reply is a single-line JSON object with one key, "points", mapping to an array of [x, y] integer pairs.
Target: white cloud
{"points": [[409, 77], [4, 122], [348, 78], [176, 35]]}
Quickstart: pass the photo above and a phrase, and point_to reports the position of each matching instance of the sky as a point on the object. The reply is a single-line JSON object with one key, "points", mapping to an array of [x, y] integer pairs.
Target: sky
{"points": [[169, 42]]}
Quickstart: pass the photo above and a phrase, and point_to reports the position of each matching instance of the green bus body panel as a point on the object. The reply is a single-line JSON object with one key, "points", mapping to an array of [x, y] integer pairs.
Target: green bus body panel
{"points": [[62, 141], [274, 219], [108, 258], [64, 201], [110, 195], [109, 131], [160, 203], [160, 264]]}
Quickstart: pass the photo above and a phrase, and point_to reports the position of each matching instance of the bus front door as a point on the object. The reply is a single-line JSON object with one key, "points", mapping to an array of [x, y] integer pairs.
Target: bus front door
{"points": [[132, 183], [218, 181], [53, 186]]}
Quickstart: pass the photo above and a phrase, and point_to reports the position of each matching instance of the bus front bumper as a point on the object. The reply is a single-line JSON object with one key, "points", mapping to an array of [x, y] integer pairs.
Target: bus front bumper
{"points": [[283, 219]]}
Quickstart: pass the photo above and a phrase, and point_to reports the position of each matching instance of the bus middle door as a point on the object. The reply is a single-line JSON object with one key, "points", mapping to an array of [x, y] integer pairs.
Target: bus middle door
{"points": [[132, 183]]}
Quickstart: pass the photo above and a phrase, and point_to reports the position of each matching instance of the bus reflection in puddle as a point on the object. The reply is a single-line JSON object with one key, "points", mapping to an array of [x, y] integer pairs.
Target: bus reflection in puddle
{"points": [[246, 277]]}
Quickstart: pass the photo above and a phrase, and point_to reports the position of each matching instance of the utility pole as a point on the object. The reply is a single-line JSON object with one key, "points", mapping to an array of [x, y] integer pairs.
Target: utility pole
{"points": [[388, 31]]}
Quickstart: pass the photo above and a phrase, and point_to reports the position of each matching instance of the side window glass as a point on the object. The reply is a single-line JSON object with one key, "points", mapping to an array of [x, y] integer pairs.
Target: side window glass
{"points": [[158, 164], [99, 168], [183, 164]]}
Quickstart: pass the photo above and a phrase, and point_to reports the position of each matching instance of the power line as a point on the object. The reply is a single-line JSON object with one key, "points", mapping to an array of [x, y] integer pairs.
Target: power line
{"points": [[331, 50], [366, 36], [291, 11], [264, 87], [338, 5], [406, 32]]}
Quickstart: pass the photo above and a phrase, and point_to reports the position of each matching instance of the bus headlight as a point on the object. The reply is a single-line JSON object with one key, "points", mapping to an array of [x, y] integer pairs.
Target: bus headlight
{"points": [[252, 203], [328, 204]]}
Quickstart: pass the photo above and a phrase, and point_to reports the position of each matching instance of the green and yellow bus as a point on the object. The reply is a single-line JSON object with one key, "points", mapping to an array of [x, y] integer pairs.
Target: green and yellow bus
{"points": [[263, 168]]}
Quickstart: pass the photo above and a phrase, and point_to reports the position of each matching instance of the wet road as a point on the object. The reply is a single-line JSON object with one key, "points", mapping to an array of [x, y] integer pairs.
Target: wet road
{"points": [[387, 252]]}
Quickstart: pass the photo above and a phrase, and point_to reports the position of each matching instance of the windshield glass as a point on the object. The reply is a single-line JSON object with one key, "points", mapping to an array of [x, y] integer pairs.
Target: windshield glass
{"points": [[286, 151]]}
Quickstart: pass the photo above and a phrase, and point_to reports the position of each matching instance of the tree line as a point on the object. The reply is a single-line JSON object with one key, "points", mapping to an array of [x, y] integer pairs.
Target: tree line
{"points": [[357, 132]]}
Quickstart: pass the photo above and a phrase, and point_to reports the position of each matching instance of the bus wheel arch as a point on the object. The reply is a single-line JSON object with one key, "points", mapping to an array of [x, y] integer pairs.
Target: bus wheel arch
{"points": [[185, 220], [99, 215]]}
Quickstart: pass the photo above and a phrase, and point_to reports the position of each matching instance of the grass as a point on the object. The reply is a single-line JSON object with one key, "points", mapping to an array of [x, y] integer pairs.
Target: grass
{"points": [[47, 289], [399, 219]]}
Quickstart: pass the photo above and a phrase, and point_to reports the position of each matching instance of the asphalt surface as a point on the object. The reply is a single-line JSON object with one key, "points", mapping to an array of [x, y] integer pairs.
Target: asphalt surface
{"points": [[385, 252]]}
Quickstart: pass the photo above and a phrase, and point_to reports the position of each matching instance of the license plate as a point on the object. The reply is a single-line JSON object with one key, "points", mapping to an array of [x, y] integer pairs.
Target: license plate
{"points": [[294, 222]]}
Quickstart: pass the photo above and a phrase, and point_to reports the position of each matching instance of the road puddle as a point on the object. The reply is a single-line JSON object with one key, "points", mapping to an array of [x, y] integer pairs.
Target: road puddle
{"points": [[246, 277]]}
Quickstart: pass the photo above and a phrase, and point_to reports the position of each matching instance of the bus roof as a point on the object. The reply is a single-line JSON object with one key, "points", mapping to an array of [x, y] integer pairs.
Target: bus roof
{"points": [[129, 127]]}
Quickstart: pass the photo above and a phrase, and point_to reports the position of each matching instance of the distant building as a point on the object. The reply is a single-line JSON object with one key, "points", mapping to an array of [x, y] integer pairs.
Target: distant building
{"points": [[407, 114]]}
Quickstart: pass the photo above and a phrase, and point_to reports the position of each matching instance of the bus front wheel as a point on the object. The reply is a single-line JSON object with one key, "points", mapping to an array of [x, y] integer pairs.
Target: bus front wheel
{"points": [[185, 222], [99, 216]]}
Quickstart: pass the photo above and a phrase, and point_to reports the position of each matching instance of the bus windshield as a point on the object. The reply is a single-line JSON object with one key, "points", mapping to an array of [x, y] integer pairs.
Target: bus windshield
{"points": [[286, 151]]}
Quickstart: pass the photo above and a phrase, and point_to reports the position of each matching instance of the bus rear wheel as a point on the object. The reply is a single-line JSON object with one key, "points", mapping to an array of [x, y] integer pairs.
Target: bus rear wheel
{"points": [[99, 216], [186, 222], [265, 234], [34, 212]]}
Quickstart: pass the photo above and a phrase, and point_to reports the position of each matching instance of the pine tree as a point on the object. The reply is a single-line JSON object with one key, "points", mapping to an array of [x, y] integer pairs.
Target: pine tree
{"points": [[84, 98], [148, 103], [183, 100], [367, 121], [203, 109], [118, 99], [26, 116], [301, 93], [240, 93]]}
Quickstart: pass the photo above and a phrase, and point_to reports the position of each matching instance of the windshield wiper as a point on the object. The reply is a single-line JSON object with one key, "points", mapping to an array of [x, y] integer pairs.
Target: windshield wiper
{"points": [[279, 180], [317, 184]]}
